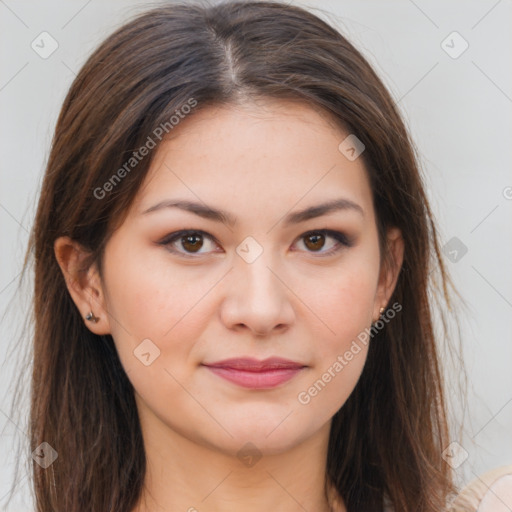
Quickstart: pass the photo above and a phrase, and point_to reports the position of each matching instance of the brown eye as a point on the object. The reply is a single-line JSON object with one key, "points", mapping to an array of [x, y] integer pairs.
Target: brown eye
{"points": [[192, 242], [314, 241], [188, 242]]}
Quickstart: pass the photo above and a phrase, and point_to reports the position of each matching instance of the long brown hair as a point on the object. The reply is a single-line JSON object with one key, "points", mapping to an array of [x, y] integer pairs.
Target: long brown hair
{"points": [[386, 441]]}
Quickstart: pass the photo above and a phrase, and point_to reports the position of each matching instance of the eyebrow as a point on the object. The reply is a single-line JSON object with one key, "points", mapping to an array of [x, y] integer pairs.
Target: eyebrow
{"points": [[225, 217]]}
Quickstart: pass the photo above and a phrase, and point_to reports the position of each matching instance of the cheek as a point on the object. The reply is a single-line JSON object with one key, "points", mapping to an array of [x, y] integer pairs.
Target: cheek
{"points": [[148, 300], [340, 355], [150, 297], [157, 322], [345, 306]]}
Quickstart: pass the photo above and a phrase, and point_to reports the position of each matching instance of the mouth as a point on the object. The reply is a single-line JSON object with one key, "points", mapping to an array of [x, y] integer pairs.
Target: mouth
{"points": [[255, 374]]}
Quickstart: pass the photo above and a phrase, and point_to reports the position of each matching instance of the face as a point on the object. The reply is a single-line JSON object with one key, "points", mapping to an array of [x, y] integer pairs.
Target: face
{"points": [[186, 291]]}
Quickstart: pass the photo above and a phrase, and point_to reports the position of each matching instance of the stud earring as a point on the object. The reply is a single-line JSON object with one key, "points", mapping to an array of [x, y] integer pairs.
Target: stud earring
{"points": [[90, 316], [381, 310]]}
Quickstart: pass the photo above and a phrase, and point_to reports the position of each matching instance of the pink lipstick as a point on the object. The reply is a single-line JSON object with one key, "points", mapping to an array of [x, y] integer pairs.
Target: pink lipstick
{"points": [[255, 374]]}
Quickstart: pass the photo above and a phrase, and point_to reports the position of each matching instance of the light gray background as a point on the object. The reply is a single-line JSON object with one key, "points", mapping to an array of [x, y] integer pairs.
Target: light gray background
{"points": [[459, 113]]}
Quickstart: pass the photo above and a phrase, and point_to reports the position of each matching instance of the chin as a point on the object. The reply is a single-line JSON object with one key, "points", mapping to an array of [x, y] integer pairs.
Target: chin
{"points": [[268, 435]]}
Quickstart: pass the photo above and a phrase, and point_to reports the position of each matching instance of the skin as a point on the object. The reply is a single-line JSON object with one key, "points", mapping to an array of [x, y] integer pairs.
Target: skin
{"points": [[258, 161]]}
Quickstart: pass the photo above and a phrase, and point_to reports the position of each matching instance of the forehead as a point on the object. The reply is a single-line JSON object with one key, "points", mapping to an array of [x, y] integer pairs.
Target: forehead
{"points": [[255, 155]]}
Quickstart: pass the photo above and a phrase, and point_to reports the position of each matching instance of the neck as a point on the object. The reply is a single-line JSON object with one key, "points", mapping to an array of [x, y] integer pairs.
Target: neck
{"points": [[188, 476]]}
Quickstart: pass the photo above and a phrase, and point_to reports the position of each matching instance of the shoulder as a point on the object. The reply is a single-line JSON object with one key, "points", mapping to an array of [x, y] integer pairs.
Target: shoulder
{"points": [[490, 492]]}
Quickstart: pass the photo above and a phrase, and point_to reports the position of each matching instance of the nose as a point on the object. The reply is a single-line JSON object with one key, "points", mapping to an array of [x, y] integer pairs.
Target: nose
{"points": [[257, 298]]}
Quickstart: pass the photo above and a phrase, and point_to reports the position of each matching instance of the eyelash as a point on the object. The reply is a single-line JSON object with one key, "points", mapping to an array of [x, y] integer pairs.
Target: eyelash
{"points": [[341, 238]]}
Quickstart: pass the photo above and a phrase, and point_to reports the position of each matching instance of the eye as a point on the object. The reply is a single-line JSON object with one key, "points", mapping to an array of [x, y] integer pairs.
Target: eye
{"points": [[192, 241], [314, 241]]}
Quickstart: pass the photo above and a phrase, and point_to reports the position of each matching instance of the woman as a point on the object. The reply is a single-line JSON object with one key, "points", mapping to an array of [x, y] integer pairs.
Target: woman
{"points": [[232, 258]]}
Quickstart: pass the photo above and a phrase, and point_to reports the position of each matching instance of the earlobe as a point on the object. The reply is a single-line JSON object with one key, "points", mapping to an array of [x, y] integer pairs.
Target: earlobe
{"points": [[83, 283]]}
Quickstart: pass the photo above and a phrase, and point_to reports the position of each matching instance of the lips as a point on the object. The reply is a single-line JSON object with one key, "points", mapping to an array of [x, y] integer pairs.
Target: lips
{"points": [[253, 373], [254, 365]]}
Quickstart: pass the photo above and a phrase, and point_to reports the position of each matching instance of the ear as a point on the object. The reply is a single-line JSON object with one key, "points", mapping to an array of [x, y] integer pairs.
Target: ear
{"points": [[390, 269], [83, 282]]}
